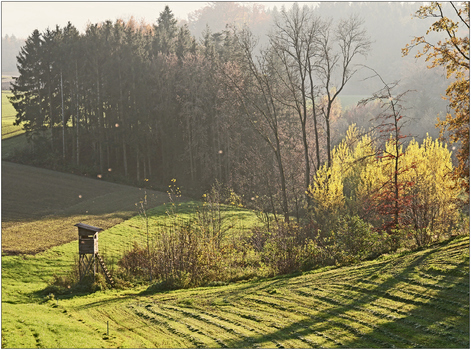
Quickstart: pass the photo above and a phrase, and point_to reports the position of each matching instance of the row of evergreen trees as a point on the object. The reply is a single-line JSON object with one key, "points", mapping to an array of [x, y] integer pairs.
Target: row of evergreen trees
{"points": [[137, 101], [115, 97]]}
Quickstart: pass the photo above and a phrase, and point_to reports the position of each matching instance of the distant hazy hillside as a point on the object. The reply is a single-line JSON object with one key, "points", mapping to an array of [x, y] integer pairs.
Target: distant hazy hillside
{"points": [[10, 48]]}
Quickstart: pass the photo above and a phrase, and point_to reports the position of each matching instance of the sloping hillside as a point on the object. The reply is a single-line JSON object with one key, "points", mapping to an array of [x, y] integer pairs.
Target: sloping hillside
{"points": [[418, 299], [40, 207], [8, 116]]}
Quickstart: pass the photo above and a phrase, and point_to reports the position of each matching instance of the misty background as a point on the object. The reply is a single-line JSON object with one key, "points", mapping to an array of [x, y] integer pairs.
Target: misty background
{"points": [[390, 26]]}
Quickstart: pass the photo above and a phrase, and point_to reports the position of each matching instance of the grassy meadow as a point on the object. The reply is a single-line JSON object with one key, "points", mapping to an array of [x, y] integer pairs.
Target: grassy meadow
{"points": [[8, 117], [13, 137], [40, 206], [418, 299]]}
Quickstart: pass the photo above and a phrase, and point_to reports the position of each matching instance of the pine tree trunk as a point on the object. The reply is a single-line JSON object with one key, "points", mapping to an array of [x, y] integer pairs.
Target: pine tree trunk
{"points": [[51, 117], [100, 126], [144, 166], [77, 107], [190, 148], [125, 159], [149, 166], [138, 168], [108, 151], [63, 118]]}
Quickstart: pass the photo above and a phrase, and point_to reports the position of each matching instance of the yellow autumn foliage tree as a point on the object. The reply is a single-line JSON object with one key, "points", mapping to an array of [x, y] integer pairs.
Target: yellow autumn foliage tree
{"points": [[359, 175], [334, 188], [434, 195], [453, 54]]}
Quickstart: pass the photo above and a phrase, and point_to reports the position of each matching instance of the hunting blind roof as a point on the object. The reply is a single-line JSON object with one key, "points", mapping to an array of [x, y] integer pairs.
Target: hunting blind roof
{"points": [[88, 227]]}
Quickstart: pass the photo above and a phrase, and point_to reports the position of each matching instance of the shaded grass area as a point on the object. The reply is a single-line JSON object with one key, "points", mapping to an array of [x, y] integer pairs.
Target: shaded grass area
{"points": [[40, 206], [12, 144], [418, 299]]}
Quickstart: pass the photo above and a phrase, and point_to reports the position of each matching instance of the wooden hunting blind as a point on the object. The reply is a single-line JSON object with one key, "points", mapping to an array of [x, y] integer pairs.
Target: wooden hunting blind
{"points": [[88, 252], [88, 238]]}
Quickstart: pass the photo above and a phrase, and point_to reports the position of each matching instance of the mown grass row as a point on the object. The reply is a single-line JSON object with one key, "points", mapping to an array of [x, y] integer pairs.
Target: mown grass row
{"points": [[399, 301]]}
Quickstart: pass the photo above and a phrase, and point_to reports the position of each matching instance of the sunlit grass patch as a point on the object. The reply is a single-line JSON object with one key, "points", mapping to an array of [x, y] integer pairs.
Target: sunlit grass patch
{"points": [[8, 118], [42, 326], [329, 307]]}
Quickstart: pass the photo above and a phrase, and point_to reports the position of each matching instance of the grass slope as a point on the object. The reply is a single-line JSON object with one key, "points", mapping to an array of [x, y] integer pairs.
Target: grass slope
{"points": [[414, 300], [40, 206], [418, 299], [8, 117]]}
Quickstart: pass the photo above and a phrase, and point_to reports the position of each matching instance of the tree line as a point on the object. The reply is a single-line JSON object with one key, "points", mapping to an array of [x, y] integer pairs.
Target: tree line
{"points": [[149, 101], [136, 102]]}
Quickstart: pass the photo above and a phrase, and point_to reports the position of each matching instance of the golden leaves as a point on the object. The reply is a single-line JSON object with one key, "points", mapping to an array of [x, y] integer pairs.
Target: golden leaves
{"points": [[453, 54]]}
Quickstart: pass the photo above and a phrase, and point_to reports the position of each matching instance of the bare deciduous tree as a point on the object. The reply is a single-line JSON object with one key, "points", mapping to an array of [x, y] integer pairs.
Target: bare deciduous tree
{"points": [[339, 47], [294, 41], [257, 92]]}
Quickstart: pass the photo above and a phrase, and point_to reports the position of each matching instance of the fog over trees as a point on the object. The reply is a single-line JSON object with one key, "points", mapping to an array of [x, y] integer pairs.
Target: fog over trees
{"points": [[251, 98], [11, 45]]}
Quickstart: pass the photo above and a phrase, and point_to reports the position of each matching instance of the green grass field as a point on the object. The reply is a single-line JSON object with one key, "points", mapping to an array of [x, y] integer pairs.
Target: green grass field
{"points": [[40, 206], [8, 117], [418, 299], [13, 137]]}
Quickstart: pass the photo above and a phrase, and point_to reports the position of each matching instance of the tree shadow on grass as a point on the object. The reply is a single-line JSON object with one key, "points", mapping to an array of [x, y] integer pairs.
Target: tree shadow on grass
{"points": [[440, 322], [413, 330]]}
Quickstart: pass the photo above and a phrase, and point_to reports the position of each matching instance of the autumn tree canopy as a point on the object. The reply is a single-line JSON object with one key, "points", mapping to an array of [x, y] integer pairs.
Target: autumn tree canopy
{"points": [[452, 54]]}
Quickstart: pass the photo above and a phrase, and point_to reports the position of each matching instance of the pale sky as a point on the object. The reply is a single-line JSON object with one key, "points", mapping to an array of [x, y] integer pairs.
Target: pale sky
{"points": [[21, 18]]}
